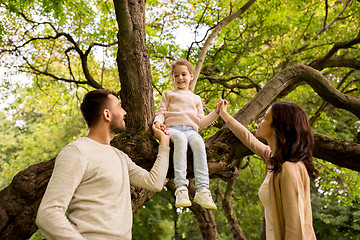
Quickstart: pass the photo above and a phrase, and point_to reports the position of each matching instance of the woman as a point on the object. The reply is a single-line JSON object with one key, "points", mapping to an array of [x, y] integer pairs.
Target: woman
{"points": [[285, 192]]}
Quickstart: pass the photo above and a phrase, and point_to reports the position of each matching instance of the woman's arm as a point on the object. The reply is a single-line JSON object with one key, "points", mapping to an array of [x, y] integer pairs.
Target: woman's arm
{"points": [[244, 135]]}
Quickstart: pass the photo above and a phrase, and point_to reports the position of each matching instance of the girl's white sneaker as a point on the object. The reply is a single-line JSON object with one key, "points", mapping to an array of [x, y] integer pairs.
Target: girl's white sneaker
{"points": [[182, 197], [204, 199]]}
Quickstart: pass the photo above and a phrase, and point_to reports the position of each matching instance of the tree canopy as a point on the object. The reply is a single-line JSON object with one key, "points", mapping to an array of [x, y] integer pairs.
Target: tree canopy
{"points": [[250, 52]]}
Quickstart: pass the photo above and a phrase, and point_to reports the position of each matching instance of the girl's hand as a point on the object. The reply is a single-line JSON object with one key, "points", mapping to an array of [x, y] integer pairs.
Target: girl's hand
{"points": [[160, 126], [217, 107], [163, 137], [223, 106]]}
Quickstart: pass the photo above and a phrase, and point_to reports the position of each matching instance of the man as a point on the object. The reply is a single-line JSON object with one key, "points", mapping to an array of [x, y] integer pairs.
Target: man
{"points": [[88, 195]]}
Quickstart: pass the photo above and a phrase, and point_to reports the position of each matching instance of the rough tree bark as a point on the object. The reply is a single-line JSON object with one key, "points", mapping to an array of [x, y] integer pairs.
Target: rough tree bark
{"points": [[134, 64], [20, 200]]}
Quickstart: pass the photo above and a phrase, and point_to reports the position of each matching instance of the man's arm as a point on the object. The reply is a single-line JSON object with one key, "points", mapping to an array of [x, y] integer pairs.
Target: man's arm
{"points": [[67, 174], [154, 179]]}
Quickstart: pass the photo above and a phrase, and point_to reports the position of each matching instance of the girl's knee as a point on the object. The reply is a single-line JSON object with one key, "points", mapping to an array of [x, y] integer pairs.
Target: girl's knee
{"points": [[197, 141], [180, 141]]}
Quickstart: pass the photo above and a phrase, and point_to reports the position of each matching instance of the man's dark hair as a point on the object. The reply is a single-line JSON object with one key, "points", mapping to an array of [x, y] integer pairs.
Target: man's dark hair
{"points": [[93, 104]]}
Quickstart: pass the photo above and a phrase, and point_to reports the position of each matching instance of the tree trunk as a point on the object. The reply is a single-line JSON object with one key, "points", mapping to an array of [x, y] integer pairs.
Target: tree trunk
{"points": [[206, 221], [229, 212], [204, 216], [133, 64], [263, 230]]}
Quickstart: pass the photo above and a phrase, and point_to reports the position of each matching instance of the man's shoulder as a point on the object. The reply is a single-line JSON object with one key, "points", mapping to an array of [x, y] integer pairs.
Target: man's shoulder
{"points": [[83, 141], [83, 144], [120, 153], [73, 146]]}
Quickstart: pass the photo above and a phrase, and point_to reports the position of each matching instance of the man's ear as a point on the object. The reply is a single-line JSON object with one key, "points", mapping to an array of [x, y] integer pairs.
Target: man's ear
{"points": [[107, 115]]}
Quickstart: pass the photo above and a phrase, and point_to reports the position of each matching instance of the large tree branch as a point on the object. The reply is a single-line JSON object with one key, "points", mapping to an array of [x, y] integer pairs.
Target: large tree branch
{"points": [[324, 104], [327, 61], [20, 201], [46, 73], [286, 80], [225, 83], [337, 62], [211, 37], [224, 145], [342, 153]]}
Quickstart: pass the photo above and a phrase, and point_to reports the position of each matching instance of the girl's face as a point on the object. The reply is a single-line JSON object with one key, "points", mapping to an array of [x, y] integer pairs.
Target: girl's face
{"points": [[182, 77], [264, 129]]}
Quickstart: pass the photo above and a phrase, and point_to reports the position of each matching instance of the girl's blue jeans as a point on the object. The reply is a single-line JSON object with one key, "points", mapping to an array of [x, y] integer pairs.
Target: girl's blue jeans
{"points": [[181, 136]]}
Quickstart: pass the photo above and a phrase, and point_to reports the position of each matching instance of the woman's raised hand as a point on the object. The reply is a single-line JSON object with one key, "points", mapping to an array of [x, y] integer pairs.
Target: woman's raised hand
{"points": [[219, 105], [222, 103]]}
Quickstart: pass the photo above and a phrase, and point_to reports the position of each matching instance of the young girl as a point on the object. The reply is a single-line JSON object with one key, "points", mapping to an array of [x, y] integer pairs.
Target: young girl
{"points": [[285, 192], [180, 114]]}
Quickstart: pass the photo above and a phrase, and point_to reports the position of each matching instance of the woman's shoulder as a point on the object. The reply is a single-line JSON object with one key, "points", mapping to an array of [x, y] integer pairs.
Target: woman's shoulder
{"points": [[293, 168], [293, 164]]}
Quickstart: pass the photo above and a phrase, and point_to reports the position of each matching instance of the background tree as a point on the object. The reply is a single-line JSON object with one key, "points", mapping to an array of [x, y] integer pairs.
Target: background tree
{"points": [[251, 53]]}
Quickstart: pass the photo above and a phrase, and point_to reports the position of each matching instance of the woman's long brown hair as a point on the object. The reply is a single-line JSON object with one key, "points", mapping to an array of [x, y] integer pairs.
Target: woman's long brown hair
{"points": [[294, 137]]}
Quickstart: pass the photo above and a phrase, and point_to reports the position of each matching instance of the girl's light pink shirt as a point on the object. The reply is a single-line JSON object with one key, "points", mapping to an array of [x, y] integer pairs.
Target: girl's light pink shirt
{"points": [[181, 107]]}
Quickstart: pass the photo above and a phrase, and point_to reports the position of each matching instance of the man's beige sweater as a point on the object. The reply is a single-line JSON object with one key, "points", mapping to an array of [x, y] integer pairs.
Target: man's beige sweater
{"points": [[180, 107], [91, 182]]}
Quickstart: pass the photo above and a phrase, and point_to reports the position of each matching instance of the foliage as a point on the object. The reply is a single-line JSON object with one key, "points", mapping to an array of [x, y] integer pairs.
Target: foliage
{"points": [[242, 58], [333, 221], [247, 207], [93, 29], [154, 220], [37, 117]]}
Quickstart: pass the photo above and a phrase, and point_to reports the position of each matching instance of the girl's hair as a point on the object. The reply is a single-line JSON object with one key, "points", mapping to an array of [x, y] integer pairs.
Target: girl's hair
{"points": [[181, 61], [294, 137]]}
